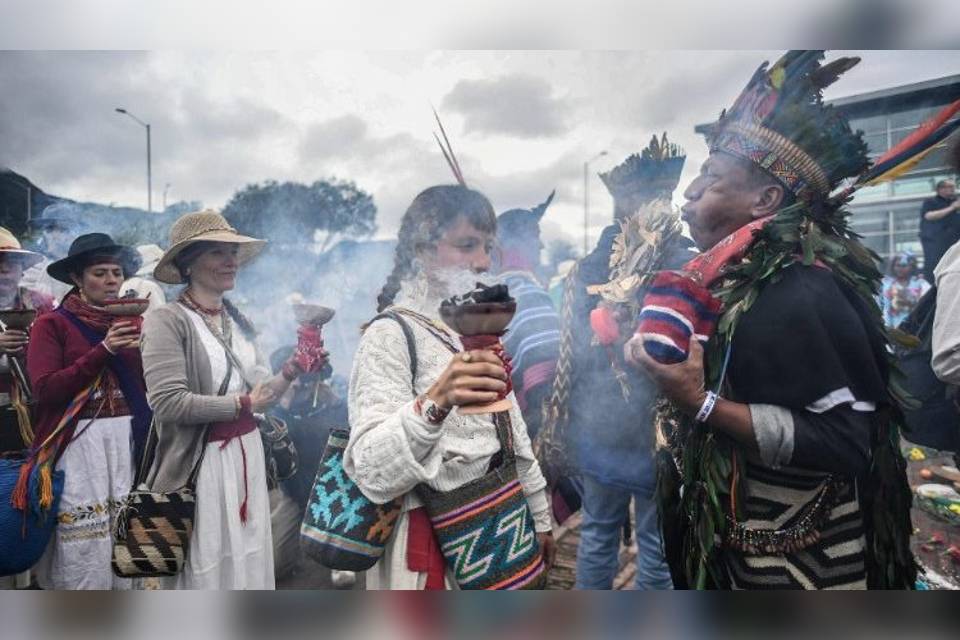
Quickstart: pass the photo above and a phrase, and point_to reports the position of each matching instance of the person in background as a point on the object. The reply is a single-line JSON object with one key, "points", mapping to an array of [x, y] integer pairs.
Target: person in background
{"points": [[79, 351], [939, 226], [902, 289], [311, 409], [16, 429], [610, 429], [533, 336], [57, 230], [203, 408], [945, 344], [14, 260], [143, 283]]}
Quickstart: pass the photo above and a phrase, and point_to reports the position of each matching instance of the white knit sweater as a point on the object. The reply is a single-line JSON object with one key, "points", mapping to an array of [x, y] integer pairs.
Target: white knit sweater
{"points": [[392, 449]]}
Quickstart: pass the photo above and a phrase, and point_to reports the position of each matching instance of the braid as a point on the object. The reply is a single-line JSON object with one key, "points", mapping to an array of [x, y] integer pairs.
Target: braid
{"points": [[402, 265], [243, 322]]}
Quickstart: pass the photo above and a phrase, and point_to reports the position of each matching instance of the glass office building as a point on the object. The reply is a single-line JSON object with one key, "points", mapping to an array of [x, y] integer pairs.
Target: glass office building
{"points": [[888, 215]]}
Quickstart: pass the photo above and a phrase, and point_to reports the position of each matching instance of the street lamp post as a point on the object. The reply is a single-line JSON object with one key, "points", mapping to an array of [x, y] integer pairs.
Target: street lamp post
{"points": [[586, 201], [149, 176]]}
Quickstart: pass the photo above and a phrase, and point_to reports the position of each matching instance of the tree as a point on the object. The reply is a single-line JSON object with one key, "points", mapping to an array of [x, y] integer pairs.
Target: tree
{"points": [[295, 213], [183, 206]]}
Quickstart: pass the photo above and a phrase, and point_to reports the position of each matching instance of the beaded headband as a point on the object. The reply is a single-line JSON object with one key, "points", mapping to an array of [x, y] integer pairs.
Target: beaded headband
{"points": [[776, 155]]}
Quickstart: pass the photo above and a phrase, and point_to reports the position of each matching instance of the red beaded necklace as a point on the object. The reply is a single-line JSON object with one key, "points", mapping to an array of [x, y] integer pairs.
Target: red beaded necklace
{"points": [[215, 312]]}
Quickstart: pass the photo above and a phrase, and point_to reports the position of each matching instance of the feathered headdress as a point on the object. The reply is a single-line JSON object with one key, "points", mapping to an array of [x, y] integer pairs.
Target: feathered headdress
{"points": [[653, 173], [780, 123]]}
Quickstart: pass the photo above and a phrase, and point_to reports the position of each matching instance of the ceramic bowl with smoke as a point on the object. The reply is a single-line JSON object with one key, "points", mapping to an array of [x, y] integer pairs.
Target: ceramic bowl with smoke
{"points": [[481, 318], [310, 355], [128, 309], [17, 319]]}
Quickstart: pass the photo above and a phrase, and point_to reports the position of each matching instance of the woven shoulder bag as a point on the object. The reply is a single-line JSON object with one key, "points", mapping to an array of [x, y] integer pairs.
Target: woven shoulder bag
{"points": [[153, 528], [342, 529], [485, 529]]}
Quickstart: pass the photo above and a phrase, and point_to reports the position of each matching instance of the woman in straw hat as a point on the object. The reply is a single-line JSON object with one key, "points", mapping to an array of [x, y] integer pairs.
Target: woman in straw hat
{"points": [[15, 430], [191, 351], [80, 357]]}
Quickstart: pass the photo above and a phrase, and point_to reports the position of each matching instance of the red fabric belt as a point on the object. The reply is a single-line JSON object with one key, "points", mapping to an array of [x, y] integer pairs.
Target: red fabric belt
{"points": [[225, 432], [423, 552]]}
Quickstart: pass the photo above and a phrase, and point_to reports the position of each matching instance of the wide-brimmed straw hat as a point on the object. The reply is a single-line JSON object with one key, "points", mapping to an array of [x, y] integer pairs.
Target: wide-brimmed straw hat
{"points": [[202, 226], [11, 246], [90, 244]]}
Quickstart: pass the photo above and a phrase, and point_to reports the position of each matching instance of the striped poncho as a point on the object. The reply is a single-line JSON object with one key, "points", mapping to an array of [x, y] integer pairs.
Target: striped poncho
{"points": [[533, 342]]}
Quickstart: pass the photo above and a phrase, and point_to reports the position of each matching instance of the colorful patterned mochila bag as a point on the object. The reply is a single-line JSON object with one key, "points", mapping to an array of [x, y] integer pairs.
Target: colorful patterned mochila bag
{"points": [[153, 529], [342, 529], [485, 528]]}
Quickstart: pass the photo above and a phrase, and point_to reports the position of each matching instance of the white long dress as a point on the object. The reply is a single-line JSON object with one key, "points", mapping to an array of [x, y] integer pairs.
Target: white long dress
{"points": [[226, 553], [98, 468]]}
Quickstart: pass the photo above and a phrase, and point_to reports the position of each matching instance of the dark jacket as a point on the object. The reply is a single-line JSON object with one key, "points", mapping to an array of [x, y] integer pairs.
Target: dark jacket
{"points": [[613, 438]]}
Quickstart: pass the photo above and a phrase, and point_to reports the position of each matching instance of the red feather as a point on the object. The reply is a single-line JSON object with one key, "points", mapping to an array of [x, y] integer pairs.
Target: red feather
{"points": [[922, 131]]}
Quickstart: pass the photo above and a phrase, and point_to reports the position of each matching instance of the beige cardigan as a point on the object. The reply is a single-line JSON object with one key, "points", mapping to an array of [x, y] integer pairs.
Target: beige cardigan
{"points": [[181, 393]]}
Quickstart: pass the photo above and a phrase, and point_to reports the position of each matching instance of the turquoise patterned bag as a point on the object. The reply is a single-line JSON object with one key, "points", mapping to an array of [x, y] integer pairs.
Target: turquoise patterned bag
{"points": [[342, 529]]}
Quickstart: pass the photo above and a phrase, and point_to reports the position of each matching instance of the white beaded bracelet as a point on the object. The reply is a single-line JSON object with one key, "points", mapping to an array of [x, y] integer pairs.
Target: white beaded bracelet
{"points": [[707, 407]]}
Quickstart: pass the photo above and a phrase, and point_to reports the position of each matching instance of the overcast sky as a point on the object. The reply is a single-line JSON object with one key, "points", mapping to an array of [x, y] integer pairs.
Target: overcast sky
{"points": [[522, 123]]}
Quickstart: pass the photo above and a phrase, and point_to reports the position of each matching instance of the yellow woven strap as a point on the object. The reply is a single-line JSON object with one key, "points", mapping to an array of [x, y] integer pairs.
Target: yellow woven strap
{"points": [[23, 413], [72, 410]]}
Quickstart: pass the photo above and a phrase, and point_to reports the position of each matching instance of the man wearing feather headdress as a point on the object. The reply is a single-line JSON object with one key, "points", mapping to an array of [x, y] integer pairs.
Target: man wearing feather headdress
{"points": [[533, 336], [785, 426], [597, 401]]}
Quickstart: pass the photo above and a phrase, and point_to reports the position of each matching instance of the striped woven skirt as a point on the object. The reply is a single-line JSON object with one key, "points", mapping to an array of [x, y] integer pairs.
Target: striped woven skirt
{"points": [[833, 556]]}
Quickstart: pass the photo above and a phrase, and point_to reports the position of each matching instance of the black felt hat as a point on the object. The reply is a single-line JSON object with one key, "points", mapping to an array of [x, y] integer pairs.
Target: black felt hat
{"points": [[90, 244]]}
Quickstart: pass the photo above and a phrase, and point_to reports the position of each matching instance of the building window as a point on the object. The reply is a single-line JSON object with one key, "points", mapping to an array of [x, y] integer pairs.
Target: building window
{"points": [[876, 142], [913, 186], [874, 192]]}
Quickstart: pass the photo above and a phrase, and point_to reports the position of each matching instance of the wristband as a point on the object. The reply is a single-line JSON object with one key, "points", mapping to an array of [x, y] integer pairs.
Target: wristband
{"points": [[246, 405], [706, 408], [429, 410]]}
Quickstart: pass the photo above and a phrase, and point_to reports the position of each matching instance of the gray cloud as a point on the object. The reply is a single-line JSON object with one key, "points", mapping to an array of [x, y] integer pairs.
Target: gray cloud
{"points": [[220, 122], [59, 127], [519, 105], [333, 138]]}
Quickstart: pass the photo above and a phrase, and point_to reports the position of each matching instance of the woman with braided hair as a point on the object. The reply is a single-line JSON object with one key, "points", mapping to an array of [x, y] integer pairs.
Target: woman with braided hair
{"points": [[401, 437]]}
